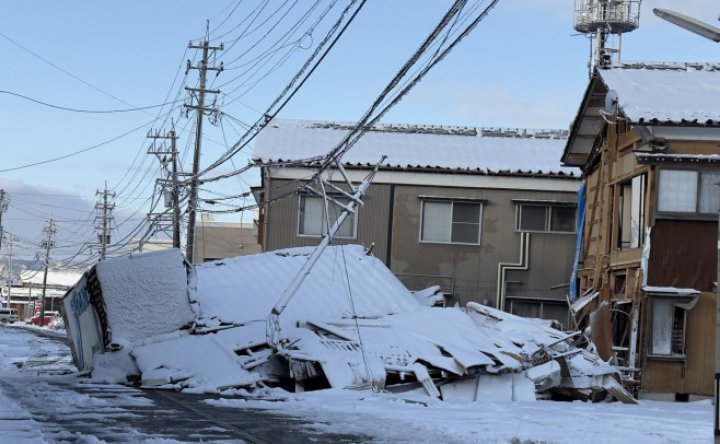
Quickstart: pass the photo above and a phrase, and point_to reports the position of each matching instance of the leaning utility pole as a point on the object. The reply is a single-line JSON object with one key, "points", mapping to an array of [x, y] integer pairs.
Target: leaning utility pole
{"points": [[104, 207], [47, 243], [3, 208], [200, 108], [160, 150]]}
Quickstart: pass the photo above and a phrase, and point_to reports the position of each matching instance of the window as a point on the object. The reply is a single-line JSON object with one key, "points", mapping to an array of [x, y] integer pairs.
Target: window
{"points": [[631, 231], [545, 218], [457, 222], [312, 220], [668, 328], [689, 191]]}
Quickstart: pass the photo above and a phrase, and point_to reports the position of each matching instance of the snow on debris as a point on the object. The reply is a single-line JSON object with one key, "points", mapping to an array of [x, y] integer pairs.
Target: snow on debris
{"points": [[352, 325], [483, 150], [145, 295], [666, 92], [246, 287]]}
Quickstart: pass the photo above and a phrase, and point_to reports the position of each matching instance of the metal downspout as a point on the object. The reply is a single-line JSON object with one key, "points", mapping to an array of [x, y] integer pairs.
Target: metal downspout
{"points": [[523, 264]]}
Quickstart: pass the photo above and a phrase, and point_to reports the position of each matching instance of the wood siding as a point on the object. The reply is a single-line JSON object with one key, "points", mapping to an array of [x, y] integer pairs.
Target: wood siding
{"points": [[682, 254], [695, 375]]}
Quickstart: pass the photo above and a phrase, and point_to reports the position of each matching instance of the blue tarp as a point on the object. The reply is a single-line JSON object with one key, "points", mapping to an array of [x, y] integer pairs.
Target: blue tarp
{"points": [[579, 226]]}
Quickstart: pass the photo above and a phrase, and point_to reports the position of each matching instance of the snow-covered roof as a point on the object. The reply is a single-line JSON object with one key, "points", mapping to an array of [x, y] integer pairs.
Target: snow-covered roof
{"points": [[453, 148], [666, 92], [648, 95], [55, 277]]}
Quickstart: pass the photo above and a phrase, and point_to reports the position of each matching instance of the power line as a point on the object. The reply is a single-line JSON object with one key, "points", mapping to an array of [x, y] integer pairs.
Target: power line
{"points": [[291, 89], [75, 153], [87, 111], [64, 71]]}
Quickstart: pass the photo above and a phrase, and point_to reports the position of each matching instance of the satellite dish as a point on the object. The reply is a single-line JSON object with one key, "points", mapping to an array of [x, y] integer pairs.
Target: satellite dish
{"points": [[611, 103]]}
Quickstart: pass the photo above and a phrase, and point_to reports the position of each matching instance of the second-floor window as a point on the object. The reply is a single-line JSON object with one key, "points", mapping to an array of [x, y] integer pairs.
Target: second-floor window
{"points": [[631, 209], [689, 191], [313, 221], [548, 218], [451, 221]]}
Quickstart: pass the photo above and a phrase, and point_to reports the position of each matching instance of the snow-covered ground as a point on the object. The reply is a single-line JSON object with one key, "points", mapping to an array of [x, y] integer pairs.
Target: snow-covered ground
{"points": [[396, 421], [33, 365]]}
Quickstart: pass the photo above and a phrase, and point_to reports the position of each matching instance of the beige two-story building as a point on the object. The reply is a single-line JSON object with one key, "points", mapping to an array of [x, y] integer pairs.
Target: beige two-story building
{"points": [[488, 214]]}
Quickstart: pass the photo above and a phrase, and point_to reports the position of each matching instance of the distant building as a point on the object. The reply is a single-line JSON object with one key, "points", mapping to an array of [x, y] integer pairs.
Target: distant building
{"points": [[488, 214], [213, 240], [219, 240], [647, 138], [26, 298]]}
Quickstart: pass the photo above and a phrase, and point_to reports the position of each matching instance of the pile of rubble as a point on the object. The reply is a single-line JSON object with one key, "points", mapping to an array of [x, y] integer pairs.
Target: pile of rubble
{"points": [[155, 320]]}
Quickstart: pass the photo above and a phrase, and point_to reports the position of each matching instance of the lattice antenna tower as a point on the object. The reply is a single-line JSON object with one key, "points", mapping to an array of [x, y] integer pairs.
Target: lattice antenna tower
{"points": [[605, 21]]}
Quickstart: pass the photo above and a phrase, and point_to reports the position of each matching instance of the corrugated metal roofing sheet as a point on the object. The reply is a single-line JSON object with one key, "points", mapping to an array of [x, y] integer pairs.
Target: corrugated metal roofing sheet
{"points": [[260, 280]]}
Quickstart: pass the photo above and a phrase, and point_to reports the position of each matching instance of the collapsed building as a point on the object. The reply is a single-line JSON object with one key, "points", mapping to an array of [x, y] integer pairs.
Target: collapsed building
{"points": [[155, 320]]}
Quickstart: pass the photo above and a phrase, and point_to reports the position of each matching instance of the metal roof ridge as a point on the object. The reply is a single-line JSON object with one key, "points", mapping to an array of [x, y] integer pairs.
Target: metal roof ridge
{"points": [[412, 128], [665, 66]]}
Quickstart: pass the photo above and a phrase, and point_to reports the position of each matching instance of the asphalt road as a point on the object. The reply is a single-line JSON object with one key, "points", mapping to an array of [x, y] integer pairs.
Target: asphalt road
{"points": [[64, 408]]}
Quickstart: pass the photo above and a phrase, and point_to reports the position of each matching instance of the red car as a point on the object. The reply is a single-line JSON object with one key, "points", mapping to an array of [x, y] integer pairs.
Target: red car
{"points": [[49, 317]]}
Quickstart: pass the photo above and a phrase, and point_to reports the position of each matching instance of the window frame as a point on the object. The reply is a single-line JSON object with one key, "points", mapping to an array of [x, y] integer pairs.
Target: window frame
{"points": [[638, 186], [696, 214], [651, 353], [451, 201], [300, 208], [549, 207]]}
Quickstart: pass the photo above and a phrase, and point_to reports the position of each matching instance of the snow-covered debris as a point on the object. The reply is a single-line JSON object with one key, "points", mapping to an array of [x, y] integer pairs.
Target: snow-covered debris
{"points": [[431, 296], [145, 295], [352, 324]]}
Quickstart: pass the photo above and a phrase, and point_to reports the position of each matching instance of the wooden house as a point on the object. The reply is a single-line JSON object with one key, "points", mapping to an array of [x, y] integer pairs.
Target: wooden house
{"points": [[647, 138]]}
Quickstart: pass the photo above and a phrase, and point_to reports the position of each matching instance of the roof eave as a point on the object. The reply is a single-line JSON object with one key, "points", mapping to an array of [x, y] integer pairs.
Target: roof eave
{"points": [[586, 127]]}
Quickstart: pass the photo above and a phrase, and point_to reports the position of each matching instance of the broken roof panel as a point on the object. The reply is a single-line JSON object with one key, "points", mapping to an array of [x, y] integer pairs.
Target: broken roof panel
{"points": [[246, 288], [481, 150]]}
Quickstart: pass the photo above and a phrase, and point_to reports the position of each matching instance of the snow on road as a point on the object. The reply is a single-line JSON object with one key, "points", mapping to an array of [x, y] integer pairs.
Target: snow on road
{"points": [[36, 406], [394, 421]]}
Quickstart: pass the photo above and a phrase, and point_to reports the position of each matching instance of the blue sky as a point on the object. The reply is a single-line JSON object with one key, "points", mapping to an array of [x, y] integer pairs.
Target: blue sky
{"points": [[522, 67]]}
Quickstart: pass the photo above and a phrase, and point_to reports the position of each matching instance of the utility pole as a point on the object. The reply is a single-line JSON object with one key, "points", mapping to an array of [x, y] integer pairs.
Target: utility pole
{"points": [[200, 108], [104, 207], [162, 151], [3, 208], [10, 267], [47, 243]]}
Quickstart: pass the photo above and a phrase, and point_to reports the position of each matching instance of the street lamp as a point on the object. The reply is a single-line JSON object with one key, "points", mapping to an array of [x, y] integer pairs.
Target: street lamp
{"points": [[713, 33], [693, 25]]}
